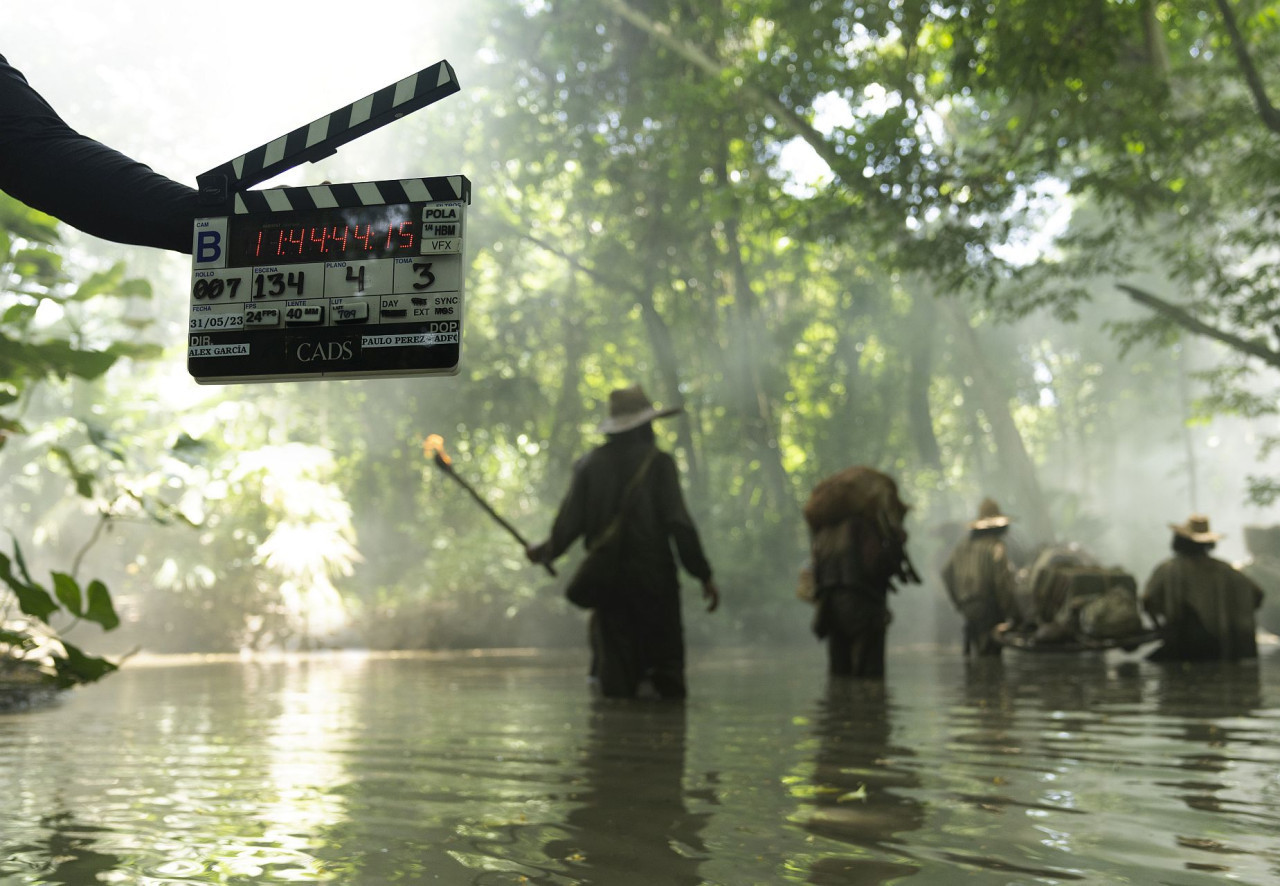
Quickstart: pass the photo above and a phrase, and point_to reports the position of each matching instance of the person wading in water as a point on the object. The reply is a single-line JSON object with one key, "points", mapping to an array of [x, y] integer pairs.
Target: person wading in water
{"points": [[636, 627]]}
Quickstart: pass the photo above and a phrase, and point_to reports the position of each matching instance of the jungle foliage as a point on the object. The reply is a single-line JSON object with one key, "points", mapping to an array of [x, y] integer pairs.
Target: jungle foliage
{"points": [[49, 332], [833, 232]]}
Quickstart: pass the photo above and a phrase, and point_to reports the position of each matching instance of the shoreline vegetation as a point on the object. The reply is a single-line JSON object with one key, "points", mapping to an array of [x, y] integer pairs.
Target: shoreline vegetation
{"points": [[23, 686]]}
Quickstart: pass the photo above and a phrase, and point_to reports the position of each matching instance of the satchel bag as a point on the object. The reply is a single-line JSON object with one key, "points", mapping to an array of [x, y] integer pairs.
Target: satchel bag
{"points": [[600, 567], [806, 586]]}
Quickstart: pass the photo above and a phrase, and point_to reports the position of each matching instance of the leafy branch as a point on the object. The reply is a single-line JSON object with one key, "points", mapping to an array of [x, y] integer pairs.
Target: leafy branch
{"points": [[1184, 318], [37, 644]]}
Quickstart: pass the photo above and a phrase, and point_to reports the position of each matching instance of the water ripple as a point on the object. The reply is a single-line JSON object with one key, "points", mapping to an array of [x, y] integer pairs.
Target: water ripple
{"points": [[371, 771]]}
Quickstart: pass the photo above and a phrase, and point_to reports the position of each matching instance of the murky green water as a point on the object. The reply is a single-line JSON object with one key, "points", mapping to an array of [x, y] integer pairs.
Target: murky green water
{"points": [[500, 769]]}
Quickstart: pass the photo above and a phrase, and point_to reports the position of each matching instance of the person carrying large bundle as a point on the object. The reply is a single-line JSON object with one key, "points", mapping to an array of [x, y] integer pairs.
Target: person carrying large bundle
{"points": [[858, 548]]}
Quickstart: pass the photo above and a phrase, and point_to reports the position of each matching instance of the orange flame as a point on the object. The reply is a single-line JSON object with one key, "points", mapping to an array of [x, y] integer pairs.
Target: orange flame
{"points": [[433, 447]]}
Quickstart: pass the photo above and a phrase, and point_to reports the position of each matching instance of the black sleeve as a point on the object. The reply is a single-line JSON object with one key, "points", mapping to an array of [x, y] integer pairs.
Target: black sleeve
{"points": [[50, 167], [679, 524], [571, 518]]}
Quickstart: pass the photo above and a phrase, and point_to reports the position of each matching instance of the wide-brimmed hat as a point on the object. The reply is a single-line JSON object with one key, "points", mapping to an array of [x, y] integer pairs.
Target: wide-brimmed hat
{"points": [[630, 408], [989, 516], [1196, 528]]}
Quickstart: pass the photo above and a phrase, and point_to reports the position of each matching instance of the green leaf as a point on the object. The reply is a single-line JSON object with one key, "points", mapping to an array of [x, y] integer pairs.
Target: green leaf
{"points": [[100, 609], [67, 590], [22, 562], [78, 668], [84, 364], [112, 282], [186, 442], [29, 224], [189, 449], [135, 350], [83, 479], [38, 263], [20, 313], [33, 600], [137, 288], [100, 283], [101, 439]]}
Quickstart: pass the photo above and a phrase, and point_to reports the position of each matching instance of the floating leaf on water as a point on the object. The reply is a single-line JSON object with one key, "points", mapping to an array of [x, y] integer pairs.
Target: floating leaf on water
{"points": [[860, 794]]}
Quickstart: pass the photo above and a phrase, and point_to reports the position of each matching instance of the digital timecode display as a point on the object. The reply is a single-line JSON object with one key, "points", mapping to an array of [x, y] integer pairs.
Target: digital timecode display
{"points": [[323, 235]]}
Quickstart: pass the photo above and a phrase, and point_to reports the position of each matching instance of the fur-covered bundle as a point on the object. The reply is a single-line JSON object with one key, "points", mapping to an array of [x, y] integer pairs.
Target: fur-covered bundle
{"points": [[868, 501]]}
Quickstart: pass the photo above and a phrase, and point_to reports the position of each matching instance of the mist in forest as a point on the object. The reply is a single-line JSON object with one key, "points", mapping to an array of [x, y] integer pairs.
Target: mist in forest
{"points": [[305, 515]]}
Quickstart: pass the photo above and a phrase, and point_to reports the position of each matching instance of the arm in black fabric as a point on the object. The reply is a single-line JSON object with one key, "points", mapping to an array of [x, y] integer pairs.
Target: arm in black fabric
{"points": [[50, 167], [675, 514], [571, 518]]}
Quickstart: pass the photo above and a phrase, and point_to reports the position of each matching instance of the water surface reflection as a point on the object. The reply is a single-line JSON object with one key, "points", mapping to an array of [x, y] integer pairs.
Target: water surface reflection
{"points": [[628, 822], [371, 770], [858, 791]]}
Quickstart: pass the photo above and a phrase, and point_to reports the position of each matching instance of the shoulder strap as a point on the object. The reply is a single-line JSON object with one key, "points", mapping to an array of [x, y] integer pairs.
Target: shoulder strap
{"points": [[616, 523]]}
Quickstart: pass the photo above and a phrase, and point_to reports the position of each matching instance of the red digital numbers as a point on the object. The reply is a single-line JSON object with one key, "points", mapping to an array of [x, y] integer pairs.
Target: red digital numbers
{"points": [[333, 241], [406, 236], [293, 243], [364, 240]]}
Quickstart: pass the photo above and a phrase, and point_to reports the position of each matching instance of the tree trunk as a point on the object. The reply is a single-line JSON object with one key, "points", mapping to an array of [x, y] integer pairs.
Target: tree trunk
{"points": [[747, 352], [919, 415], [993, 398]]}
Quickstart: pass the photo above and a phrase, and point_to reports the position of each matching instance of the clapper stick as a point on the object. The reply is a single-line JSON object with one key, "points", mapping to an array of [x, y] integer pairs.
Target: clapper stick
{"points": [[322, 137]]}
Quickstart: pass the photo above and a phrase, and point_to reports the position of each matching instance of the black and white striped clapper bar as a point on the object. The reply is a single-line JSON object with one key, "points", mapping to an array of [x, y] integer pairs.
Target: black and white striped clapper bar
{"points": [[358, 280]]}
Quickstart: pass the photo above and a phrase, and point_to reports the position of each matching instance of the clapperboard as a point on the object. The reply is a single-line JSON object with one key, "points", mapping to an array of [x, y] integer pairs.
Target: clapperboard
{"points": [[353, 280]]}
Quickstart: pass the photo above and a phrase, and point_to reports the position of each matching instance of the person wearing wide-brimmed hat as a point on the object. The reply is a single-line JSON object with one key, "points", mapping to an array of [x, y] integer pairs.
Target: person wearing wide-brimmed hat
{"points": [[1203, 606], [979, 578], [637, 631]]}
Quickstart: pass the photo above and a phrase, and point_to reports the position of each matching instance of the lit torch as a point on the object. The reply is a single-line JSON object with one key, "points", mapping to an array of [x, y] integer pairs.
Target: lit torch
{"points": [[433, 447]]}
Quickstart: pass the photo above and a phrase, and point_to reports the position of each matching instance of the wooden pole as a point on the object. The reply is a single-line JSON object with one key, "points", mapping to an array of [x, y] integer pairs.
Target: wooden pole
{"points": [[438, 458]]}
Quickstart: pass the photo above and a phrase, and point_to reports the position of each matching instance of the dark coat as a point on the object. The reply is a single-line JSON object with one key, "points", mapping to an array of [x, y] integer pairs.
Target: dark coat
{"points": [[657, 515], [637, 628], [1206, 608], [979, 579]]}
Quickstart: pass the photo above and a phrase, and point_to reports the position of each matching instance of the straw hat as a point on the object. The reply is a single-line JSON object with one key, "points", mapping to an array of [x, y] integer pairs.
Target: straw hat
{"points": [[630, 408], [1196, 528], [989, 516]]}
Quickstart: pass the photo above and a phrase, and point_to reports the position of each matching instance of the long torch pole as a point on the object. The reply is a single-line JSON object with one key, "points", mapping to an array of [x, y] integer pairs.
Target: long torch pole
{"points": [[441, 463]]}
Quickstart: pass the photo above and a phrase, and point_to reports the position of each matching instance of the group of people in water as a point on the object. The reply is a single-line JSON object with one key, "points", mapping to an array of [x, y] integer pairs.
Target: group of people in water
{"points": [[1199, 608], [1196, 606]]}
